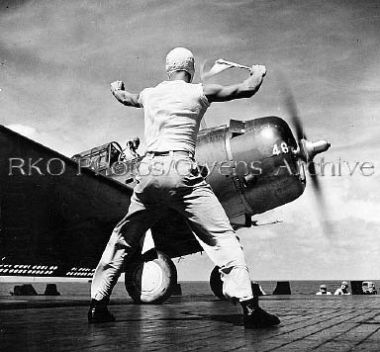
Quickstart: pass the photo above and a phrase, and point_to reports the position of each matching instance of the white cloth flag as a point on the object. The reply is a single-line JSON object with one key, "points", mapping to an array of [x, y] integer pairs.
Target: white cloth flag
{"points": [[219, 66]]}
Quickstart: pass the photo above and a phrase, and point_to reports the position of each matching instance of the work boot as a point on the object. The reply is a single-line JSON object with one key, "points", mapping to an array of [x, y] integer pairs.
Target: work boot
{"points": [[98, 312], [255, 317]]}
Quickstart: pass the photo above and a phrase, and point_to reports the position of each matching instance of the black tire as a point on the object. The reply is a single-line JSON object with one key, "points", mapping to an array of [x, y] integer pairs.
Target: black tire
{"points": [[160, 278], [216, 283]]}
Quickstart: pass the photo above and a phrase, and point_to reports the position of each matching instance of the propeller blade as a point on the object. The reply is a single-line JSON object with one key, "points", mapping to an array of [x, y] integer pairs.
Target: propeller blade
{"points": [[292, 110], [291, 106], [313, 176], [307, 151], [320, 199]]}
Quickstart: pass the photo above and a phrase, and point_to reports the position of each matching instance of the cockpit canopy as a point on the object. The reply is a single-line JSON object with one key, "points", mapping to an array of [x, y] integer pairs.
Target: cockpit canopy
{"points": [[100, 158]]}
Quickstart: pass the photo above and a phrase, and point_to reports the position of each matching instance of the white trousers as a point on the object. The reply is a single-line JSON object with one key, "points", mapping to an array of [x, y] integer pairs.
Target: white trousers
{"points": [[182, 188]]}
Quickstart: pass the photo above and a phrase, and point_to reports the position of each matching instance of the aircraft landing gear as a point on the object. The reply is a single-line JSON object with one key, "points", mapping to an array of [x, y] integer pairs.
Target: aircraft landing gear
{"points": [[152, 279]]}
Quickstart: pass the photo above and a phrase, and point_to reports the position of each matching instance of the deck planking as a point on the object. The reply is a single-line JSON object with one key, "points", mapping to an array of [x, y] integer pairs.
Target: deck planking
{"points": [[202, 323]]}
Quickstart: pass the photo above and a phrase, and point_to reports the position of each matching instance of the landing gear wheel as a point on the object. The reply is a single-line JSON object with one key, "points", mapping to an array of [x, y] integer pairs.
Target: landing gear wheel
{"points": [[216, 283], [152, 279]]}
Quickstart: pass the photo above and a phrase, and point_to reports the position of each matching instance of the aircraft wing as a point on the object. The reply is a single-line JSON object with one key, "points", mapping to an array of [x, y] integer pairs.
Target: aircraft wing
{"points": [[55, 222]]}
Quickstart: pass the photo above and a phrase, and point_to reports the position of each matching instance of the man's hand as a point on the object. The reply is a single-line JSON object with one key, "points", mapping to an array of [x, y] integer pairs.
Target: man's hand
{"points": [[117, 85], [258, 70], [124, 97], [257, 74]]}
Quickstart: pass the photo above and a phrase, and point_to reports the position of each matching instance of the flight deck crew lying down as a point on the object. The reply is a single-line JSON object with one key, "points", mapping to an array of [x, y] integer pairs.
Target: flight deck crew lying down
{"points": [[172, 114]]}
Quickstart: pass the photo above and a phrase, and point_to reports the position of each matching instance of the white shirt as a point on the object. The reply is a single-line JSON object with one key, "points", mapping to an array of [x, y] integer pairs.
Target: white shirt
{"points": [[339, 291], [173, 111]]}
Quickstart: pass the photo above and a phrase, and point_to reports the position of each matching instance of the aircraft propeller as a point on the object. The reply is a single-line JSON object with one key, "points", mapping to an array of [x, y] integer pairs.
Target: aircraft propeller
{"points": [[306, 151]]}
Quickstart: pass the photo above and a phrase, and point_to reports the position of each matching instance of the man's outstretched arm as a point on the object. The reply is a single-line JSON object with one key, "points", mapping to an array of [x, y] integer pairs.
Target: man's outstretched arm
{"points": [[245, 89], [124, 97]]}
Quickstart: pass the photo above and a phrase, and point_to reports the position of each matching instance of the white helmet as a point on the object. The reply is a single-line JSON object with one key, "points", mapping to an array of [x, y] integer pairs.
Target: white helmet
{"points": [[180, 59]]}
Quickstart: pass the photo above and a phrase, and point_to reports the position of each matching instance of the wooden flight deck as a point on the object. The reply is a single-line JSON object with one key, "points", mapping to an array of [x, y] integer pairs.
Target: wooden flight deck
{"points": [[196, 323]]}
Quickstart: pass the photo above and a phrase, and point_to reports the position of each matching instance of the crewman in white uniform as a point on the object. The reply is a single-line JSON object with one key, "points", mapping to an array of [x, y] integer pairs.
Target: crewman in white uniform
{"points": [[323, 290], [342, 290], [172, 114]]}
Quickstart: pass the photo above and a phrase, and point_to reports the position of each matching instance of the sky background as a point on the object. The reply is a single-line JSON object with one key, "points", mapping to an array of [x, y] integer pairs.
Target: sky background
{"points": [[57, 59]]}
